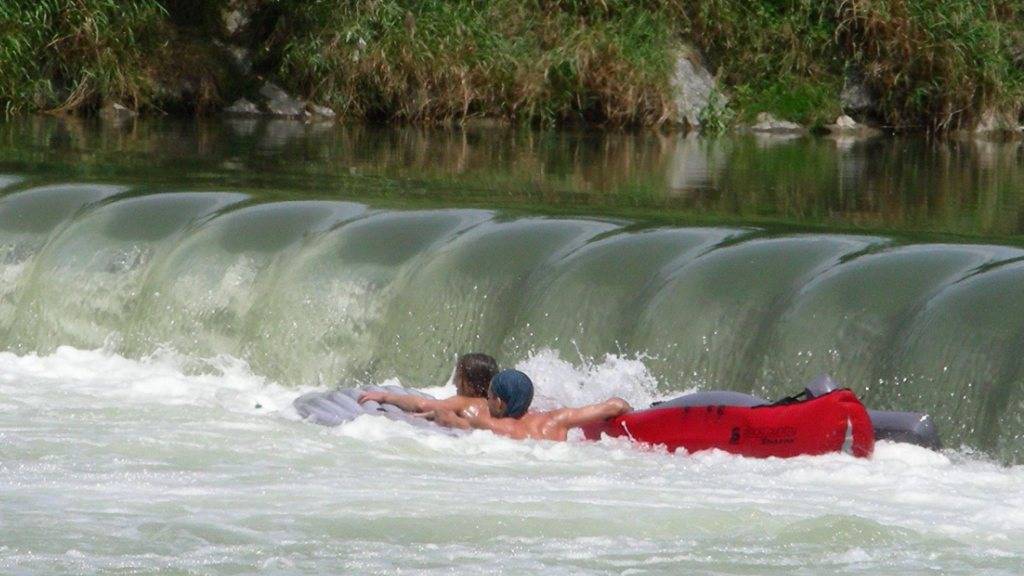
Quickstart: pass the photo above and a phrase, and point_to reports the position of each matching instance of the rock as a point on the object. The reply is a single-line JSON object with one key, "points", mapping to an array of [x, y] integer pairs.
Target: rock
{"points": [[235, 18], [768, 123], [320, 111], [242, 107], [242, 58], [856, 97], [117, 112], [845, 122], [234, 21], [994, 122], [849, 128], [280, 103], [692, 87]]}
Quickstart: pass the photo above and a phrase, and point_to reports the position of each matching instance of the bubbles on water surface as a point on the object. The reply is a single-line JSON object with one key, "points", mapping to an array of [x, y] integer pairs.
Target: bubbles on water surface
{"points": [[309, 294], [183, 444]]}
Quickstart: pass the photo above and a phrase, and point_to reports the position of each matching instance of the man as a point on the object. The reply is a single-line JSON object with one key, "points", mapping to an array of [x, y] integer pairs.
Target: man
{"points": [[473, 374], [509, 399]]}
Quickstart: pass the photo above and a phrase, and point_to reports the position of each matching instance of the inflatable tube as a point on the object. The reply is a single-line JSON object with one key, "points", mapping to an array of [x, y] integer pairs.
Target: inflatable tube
{"points": [[833, 422], [339, 406], [907, 427], [336, 407]]}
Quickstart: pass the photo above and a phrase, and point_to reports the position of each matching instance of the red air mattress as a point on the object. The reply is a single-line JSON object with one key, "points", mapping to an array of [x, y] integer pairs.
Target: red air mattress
{"points": [[833, 422]]}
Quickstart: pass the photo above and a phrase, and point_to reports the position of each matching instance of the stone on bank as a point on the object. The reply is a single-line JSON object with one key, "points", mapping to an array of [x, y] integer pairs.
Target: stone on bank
{"points": [[770, 124], [692, 87]]}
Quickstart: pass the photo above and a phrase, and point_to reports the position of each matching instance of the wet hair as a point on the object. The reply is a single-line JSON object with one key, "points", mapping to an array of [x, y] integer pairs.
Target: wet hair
{"points": [[515, 389], [476, 370]]}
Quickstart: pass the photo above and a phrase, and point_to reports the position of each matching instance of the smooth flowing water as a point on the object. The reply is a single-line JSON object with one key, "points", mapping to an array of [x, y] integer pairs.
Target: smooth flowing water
{"points": [[166, 291]]}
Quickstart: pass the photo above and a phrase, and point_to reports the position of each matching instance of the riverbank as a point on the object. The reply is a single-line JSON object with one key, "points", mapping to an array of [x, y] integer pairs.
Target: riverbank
{"points": [[716, 64]]}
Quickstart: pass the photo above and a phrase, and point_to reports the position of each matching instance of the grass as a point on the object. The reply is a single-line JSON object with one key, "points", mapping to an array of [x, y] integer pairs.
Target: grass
{"points": [[934, 64], [436, 60], [63, 55], [937, 63], [775, 56], [71, 55]]}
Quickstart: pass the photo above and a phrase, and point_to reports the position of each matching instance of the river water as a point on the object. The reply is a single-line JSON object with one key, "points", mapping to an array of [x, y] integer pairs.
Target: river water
{"points": [[167, 289]]}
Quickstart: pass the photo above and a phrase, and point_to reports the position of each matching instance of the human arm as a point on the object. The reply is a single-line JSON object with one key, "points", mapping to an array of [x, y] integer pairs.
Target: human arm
{"points": [[448, 419], [413, 402], [480, 421], [575, 417]]}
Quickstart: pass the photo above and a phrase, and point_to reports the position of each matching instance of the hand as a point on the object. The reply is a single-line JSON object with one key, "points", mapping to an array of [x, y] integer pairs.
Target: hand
{"points": [[378, 397], [622, 406]]}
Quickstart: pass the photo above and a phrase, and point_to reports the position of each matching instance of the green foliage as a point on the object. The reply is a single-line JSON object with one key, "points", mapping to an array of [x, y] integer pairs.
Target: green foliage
{"points": [[934, 63], [66, 55], [437, 60], [63, 53], [716, 116], [937, 63], [810, 101]]}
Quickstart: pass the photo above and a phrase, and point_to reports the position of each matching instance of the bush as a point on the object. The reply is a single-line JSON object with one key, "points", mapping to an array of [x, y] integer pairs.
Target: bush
{"points": [[936, 63], [933, 63], [69, 55], [435, 60]]}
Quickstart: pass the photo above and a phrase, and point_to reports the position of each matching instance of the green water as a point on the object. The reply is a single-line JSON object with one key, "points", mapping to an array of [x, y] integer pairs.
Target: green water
{"points": [[319, 253], [908, 186], [167, 290]]}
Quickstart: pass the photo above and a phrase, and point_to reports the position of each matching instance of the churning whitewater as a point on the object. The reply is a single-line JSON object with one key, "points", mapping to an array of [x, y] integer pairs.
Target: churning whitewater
{"points": [[313, 292], [152, 342], [183, 465]]}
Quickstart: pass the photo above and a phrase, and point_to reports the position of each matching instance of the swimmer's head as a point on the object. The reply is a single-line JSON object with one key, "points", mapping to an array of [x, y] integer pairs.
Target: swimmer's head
{"points": [[473, 373], [510, 395]]}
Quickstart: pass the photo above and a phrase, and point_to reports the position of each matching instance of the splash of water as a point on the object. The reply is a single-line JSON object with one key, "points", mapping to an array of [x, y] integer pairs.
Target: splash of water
{"points": [[313, 293]]}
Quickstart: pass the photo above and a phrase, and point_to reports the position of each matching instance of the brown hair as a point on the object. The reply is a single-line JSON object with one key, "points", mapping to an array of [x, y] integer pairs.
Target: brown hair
{"points": [[473, 373]]}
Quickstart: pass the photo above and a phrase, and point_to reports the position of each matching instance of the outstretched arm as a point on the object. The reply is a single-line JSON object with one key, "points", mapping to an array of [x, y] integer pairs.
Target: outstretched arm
{"points": [[411, 402], [575, 417]]}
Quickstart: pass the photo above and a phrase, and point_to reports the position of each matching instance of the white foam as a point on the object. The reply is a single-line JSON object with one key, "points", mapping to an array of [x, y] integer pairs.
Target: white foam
{"points": [[163, 378], [561, 383], [166, 461]]}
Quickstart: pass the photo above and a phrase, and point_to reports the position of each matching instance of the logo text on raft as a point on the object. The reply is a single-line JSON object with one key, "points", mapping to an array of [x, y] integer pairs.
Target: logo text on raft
{"points": [[772, 434]]}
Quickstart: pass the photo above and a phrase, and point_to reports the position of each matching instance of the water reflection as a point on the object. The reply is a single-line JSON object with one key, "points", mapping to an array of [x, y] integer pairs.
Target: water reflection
{"points": [[894, 184]]}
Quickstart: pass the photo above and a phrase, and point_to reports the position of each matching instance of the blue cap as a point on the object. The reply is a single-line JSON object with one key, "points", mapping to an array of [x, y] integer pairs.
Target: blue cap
{"points": [[515, 389]]}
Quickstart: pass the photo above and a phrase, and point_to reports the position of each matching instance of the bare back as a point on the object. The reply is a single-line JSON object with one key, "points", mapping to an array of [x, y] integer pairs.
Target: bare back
{"points": [[551, 425], [542, 426]]}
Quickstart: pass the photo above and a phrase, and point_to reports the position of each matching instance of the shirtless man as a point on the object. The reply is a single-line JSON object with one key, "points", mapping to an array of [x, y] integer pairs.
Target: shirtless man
{"points": [[508, 400], [473, 373]]}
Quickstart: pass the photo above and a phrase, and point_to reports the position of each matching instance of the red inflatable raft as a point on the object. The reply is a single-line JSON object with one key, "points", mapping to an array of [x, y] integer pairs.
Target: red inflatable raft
{"points": [[833, 422]]}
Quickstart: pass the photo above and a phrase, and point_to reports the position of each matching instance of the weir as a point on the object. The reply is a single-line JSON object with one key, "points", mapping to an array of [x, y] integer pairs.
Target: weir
{"points": [[312, 292]]}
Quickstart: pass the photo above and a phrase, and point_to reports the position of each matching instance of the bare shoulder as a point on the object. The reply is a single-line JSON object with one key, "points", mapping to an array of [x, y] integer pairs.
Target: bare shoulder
{"points": [[503, 426], [460, 403]]}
